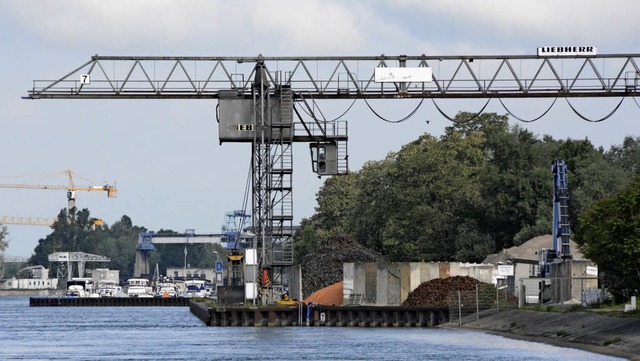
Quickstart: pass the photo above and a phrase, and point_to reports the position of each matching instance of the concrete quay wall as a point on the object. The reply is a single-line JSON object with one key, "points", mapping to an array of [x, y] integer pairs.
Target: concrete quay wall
{"points": [[330, 316]]}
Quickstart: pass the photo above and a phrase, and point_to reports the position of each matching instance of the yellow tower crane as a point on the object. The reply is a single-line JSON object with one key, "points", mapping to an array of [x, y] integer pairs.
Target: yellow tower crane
{"points": [[40, 221], [71, 188], [28, 221]]}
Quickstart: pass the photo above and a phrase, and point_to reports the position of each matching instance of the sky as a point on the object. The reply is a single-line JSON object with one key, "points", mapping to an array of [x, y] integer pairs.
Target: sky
{"points": [[164, 155]]}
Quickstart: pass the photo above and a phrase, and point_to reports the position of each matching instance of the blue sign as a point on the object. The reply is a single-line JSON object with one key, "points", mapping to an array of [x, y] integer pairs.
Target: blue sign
{"points": [[218, 266]]}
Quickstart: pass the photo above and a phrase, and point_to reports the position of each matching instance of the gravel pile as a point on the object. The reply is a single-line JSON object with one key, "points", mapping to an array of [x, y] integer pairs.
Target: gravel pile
{"points": [[323, 267], [436, 292]]}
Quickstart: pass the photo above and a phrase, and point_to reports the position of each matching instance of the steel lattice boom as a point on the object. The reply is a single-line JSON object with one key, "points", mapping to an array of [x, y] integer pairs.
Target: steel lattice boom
{"points": [[352, 77]]}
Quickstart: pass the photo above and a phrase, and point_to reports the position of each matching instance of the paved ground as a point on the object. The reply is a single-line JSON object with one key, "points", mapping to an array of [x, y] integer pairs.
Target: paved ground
{"points": [[588, 331]]}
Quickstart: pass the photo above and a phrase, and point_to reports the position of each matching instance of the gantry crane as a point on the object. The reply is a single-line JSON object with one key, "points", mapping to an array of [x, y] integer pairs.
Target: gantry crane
{"points": [[232, 233], [260, 97], [71, 188]]}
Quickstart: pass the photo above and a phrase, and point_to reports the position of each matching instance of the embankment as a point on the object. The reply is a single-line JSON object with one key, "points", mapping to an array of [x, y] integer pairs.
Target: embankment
{"points": [[582, 330]]}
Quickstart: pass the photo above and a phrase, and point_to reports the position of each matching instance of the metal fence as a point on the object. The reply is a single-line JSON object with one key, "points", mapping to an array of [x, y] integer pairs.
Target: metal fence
{"points": [[467, 306]]}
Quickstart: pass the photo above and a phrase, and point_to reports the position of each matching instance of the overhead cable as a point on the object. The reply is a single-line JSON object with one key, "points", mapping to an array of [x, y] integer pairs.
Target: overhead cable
{"points": [[527, 120], [247, 189], [334, 119], [395, 121], [595, 120], [453, 120]]}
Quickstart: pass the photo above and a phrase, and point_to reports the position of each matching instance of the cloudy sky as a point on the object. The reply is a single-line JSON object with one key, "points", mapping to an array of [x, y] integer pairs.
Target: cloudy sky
{"points": [[164, 154]]}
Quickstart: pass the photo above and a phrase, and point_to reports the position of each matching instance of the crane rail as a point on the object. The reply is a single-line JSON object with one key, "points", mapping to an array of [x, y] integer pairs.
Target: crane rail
{"points": [[347, 77]]}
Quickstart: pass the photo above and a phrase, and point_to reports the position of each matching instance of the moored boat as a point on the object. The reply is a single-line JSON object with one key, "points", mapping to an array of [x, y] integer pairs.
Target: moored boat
{"points": [[108, 288], [81, 287], [166, 290], [196, 288], [139, 287]]}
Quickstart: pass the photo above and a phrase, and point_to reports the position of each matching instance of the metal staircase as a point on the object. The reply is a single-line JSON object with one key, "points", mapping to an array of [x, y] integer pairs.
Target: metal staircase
{"points": [[280, 185]]}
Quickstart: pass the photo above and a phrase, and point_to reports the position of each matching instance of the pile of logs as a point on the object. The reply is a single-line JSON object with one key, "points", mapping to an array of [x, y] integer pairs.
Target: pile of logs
{"points": [[436, 292], [323, 267]]}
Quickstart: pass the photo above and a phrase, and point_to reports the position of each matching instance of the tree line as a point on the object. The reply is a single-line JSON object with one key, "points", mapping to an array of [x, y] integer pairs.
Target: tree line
{"points": [[76, 231]]}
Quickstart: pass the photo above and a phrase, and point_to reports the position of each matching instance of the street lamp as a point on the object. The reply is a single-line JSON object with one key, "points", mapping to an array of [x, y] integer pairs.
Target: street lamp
{"points": [[187, 234]]}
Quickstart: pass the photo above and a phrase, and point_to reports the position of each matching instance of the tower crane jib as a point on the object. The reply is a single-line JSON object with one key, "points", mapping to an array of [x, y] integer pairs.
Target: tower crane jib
{"points": [[71, 188]]}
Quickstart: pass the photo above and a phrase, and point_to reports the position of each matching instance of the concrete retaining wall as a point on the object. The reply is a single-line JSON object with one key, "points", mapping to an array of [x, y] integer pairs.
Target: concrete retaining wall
{"points": [[389, 284]]}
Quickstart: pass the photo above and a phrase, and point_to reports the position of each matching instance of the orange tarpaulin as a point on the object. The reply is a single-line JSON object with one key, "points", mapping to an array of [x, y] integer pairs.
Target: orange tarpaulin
{"points": [[328, 296]]}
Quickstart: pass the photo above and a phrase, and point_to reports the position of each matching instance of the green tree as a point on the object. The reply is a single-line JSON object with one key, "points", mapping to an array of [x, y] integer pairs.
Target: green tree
{"points": [[119, 243], [433, 183], [372, 204], [608, 235], [594, 179], [481, 187], [4, 243], [76, 232], [305, 239], [627, 155], [335, 200]]}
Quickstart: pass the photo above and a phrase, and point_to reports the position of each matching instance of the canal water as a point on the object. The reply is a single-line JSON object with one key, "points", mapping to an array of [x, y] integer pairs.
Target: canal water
{"points": [[173, 333]]}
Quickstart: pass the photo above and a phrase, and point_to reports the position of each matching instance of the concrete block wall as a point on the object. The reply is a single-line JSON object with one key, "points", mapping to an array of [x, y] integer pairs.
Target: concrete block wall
{"points": [[481, 272], [569, 280], [380, 298], [523, 271], [582, 279], [426, 271], [405, 283], [394, 283], [389, 284], [348, 278], [370, 281]]}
